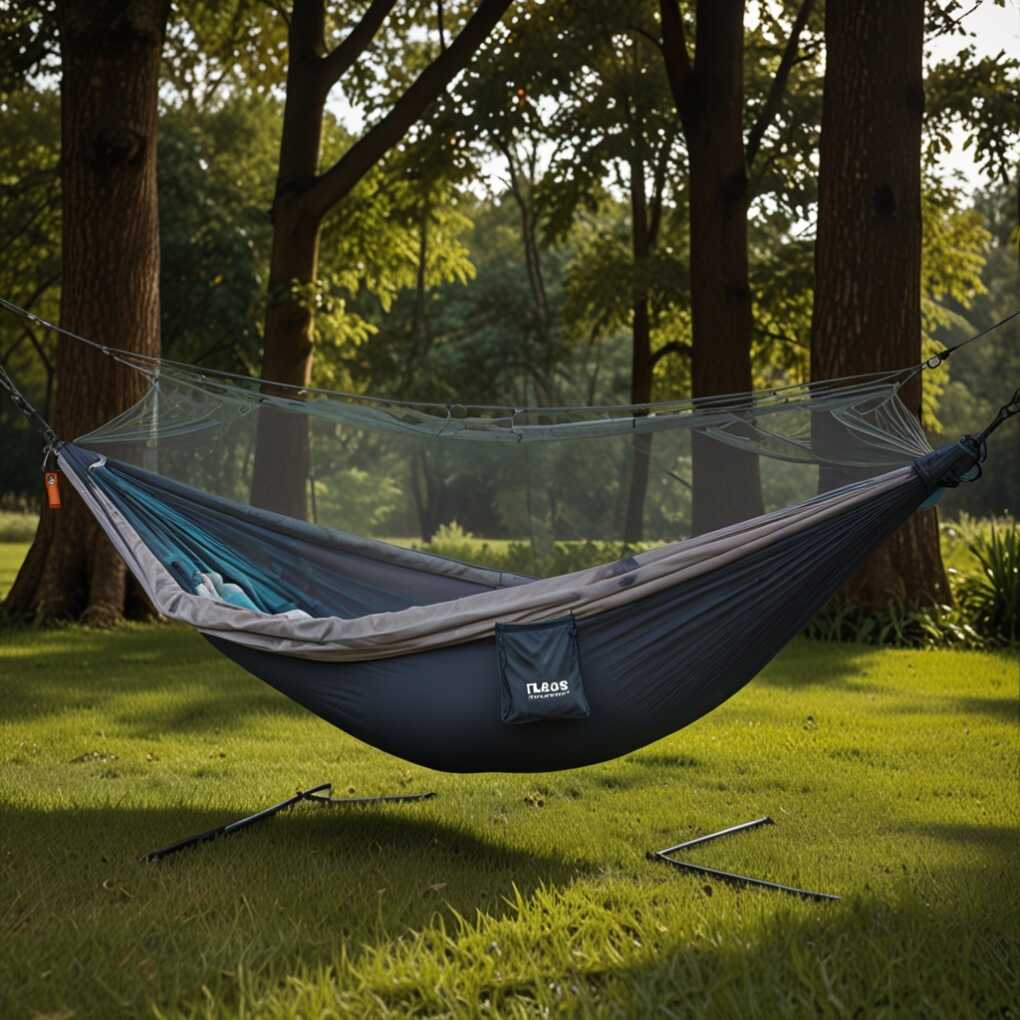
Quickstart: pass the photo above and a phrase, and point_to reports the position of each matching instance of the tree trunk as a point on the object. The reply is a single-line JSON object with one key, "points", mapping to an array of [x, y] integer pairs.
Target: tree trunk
{"points": [[282, 461], [867, 301], [304, 196], [110, 56], [727, 484], [641, 351]]}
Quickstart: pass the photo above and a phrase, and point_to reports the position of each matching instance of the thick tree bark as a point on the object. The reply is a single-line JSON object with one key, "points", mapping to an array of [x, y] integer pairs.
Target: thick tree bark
{"points": [[304, 196], [727, 485], [708, 91], [110, 54], [867, 301], [709, 94]]}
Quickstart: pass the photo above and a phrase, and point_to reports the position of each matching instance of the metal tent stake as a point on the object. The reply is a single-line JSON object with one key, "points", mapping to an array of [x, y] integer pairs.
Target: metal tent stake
{"points": [[729, 876], [320, 794]]}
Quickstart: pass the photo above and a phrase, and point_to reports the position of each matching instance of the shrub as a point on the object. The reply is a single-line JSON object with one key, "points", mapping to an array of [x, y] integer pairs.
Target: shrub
{"points": [[17, 527], [991, 596], [454, 543], [560, 557]]}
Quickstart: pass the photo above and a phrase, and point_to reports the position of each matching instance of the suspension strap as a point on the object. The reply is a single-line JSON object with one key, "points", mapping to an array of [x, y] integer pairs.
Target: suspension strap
{"points": [[936, 359], [20, 401], [1005, 412]]}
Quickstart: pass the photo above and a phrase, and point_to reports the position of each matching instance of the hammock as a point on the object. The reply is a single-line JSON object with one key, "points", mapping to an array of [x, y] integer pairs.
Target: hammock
{"points": [[462, 667], [400, 649]]}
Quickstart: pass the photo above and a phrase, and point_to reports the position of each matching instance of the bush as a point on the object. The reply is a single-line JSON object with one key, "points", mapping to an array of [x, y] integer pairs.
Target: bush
{"points": [[562, 557], [896, 625], [17, 527], [990, 597]]}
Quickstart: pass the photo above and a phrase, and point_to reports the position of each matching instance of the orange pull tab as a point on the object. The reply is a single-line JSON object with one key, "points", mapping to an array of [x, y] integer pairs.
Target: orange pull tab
{"points": [[53, 489]]}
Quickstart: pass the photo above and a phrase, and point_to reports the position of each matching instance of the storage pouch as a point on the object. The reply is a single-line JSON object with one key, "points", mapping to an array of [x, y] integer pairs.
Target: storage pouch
{"points": [[540, 672]]}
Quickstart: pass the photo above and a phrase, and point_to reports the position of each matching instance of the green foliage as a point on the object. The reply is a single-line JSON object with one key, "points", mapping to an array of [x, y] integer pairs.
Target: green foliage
{"points": [[982, 375], [984, 576], [356, 498], [453, 542], [897, 625], [215, 184], [30, 228], [396, 234], [509, 896], [479, 339], [953, 256], [977, 94], [222, 51], [991, 598], [28, 44]]}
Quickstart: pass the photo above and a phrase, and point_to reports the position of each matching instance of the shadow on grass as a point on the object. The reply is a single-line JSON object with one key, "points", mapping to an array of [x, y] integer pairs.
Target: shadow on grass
{"points": [[288, 896], [1004, 839], [831, 664], [1003, 708], [313, 860], [171, 678], [285, 895], [863, 958]]}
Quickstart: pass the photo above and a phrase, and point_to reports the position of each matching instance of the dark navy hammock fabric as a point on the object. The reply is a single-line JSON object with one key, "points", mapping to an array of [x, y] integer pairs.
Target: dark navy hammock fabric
{"points": [[649, 667]]}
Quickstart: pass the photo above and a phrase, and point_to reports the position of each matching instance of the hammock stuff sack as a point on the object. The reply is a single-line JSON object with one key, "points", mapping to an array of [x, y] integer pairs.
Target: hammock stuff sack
{"points": [[598, 644]]}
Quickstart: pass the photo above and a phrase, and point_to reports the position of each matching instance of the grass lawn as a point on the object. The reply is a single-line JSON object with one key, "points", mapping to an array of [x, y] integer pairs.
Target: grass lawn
{"points": [[11, 556], [892, 776]]}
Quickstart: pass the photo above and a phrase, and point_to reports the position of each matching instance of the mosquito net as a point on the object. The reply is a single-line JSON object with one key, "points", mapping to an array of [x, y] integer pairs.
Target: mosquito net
{"points": [[538, 491]]}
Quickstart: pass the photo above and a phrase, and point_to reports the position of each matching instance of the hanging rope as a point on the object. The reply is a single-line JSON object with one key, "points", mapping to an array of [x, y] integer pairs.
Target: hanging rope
{"points": [[936, 359], [149, 365], [21, 403]]}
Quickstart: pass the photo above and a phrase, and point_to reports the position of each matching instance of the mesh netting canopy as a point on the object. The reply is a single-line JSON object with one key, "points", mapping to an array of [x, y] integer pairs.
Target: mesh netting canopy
{"points": [[540, 488]]}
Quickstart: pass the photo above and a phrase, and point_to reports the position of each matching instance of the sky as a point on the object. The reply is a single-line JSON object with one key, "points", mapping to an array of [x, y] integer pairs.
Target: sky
{"points": [[992, 28]]}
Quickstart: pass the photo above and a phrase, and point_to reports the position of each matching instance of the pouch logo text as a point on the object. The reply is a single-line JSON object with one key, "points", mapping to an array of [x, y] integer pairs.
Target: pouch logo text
{"points": [[546, 689]]}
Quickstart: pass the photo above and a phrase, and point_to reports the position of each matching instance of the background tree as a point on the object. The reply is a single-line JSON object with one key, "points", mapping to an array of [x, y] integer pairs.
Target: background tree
{"points": [[602, 100], [303, 197], [110, 57], [708, 89], [867, 302]]}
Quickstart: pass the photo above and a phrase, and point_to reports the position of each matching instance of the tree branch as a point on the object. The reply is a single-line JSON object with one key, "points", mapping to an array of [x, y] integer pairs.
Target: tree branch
{"points": [[341, 178], [673, 347], [674, 47], [440, 26], [775, 97], [340, 60], [657, 43], [39, 350], [781, 337]]}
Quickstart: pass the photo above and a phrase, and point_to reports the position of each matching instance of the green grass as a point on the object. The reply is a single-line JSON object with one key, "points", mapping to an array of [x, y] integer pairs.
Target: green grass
{"points": [[892, 776], [11, 556]]}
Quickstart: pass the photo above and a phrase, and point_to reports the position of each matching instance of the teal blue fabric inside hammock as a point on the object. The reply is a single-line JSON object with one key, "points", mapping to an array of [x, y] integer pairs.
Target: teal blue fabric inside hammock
{"points": [[196, 557], [262, 561]]}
